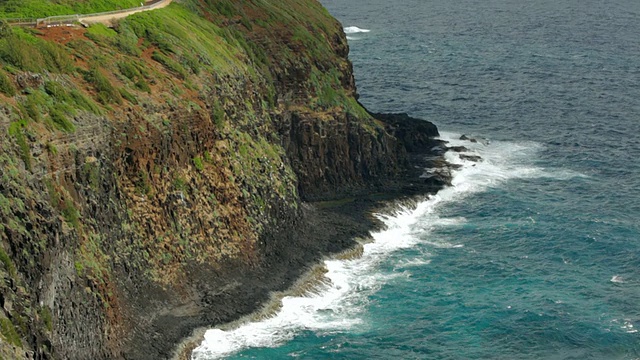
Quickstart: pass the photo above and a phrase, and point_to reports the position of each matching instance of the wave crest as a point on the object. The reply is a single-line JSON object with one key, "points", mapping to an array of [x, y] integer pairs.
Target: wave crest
{"points": [[355, 30]]}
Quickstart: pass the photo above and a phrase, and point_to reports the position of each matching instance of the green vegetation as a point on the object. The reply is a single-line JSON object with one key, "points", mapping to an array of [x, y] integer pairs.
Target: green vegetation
{"points": [[16, 129], [179, 183], [134, 72], [100, 33], [218, 114], [45, 316], [60, 121], [23, 50], [201, 66], [128, 96], [129, 70], [170, 64], [142, 184], [107, 93], [63, 203], [6, 261], [56, 91], [92, 173], [91, 260], [44, 8], [9, 332], [191, 40], [6, 85], [70, 213], [197, 162]]}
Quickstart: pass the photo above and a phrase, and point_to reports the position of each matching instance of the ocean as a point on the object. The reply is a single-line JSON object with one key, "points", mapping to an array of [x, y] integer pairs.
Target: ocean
{"points": [[533, 253]]}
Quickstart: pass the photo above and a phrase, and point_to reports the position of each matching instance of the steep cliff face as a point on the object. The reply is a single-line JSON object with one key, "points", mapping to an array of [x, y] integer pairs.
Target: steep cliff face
{"points": [[152, 175]]}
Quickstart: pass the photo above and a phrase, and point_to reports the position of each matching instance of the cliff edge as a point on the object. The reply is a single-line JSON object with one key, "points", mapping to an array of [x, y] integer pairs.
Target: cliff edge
{"points": [[156, 177]]}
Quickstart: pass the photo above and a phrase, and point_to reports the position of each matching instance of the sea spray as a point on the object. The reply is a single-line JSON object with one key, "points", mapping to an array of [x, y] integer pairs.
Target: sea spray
{"points": [[335, 294]]}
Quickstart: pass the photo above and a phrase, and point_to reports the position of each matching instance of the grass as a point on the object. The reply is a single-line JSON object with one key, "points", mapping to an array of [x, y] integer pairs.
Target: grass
{"points": [[16, 129], [8, 264], [21, 49], [218, 114], [197, 162], [9, 332], [101, 34], [106, 92], [128, 96], [44, 8], [170, 64], [6, 85], [191, 38], [60, 121], [70, 213], [45, 316]]}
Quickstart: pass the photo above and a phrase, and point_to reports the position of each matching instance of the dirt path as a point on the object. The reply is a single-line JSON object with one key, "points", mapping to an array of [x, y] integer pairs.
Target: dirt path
{"points": [[109, 18]]}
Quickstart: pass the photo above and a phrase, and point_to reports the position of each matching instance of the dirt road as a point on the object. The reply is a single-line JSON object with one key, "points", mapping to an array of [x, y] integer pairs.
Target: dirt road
{"points": [[109, 18]]}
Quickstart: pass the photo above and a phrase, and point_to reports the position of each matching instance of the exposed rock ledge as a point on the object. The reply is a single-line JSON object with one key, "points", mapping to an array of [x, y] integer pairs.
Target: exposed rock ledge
{"points": [[328, 227]]}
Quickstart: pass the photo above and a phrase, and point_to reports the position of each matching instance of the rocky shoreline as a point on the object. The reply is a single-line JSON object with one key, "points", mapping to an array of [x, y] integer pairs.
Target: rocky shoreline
{"points": [[131, 215], [335, 226]]}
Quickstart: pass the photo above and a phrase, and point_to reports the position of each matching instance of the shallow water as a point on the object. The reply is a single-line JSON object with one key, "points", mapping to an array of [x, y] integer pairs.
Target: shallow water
{"points": [[533, 253]]}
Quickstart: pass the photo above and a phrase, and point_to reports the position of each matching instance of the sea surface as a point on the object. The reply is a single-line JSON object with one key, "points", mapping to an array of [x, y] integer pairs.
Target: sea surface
{"points": [[534, 252]]}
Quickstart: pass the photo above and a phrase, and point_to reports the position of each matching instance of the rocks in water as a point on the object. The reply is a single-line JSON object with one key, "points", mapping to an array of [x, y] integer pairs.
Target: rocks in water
{"points": [[438, 178], [416, 135], [465, 137], [474, 158], [458, 149]]}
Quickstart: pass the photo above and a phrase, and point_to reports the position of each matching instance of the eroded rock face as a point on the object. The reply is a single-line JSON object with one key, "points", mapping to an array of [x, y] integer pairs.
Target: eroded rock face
{"points": [[338, 156], [148, 217]]}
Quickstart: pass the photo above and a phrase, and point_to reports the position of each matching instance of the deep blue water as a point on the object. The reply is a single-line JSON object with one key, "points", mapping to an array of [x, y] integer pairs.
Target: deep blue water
{"points": [[534, 253]]}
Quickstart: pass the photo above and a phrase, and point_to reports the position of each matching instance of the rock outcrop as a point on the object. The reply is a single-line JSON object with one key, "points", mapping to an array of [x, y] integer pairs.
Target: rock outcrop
{"points": [[156, 177]]}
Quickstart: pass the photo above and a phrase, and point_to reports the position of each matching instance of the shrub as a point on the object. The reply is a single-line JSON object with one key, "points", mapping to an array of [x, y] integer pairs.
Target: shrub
{"points": [[142, 85], [129, 70], [34, 104], [127, 41], [6, 85], [83, 102], [107, 94], [21, 54], [9, 332], [197, 162], [56, 91], [128, 96], [70, 213], [56, 58], [45, 316], [170, 64], [60, 120], [8, 264], [218, 114], [16, 130]]}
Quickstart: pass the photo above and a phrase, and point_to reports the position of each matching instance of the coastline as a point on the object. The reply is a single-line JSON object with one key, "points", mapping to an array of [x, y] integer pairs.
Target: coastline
{"points": [[346, 223], [313, 277]]}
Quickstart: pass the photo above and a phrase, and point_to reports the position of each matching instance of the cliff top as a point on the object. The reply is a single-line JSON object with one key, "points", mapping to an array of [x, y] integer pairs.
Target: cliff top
{"points": [[44, 8]]}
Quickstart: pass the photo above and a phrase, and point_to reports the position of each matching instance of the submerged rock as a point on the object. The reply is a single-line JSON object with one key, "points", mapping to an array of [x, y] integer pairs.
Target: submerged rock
{"points": [[465, 137]]}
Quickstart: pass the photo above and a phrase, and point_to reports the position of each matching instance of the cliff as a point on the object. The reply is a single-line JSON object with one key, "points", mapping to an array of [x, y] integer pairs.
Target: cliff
{"points": [[155, 177]]}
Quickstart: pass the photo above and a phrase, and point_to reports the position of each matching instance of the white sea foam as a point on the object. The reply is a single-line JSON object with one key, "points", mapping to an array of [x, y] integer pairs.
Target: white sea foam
{"points": [[410, 263], [340, 304], [617, 279], [355, 30]]}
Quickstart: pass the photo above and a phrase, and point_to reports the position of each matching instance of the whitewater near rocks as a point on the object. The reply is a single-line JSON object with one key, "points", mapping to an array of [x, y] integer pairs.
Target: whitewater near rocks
{"points": [[531, 252]]}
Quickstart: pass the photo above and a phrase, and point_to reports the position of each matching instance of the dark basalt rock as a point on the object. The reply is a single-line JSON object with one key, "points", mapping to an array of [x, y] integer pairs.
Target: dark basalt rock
{"points": [[465, 137], [415, 134], [474, 158], [458, 149]]}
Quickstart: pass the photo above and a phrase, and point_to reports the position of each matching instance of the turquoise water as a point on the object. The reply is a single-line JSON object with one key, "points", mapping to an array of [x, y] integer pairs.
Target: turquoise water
{"points": [[533, 253]]}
